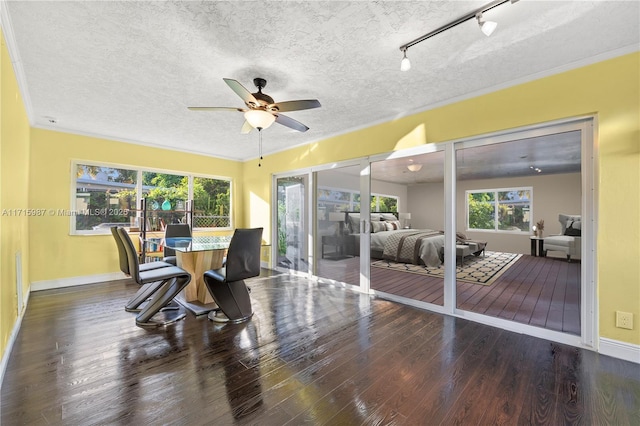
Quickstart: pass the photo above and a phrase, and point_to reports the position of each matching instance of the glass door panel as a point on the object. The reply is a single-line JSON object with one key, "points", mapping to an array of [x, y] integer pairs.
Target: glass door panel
{"points": [[407, 224], [506, 213], [292, 225], [337, 241]]}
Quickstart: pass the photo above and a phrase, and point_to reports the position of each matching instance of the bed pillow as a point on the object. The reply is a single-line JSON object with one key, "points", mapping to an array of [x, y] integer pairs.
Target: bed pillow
{"points": [[375, 217], [574, 228], [388, 216], [378, 226], [392, 225]]}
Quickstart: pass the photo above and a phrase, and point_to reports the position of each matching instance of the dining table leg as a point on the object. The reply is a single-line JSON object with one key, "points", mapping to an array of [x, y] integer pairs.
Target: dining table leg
{"points": [[196, 295]]}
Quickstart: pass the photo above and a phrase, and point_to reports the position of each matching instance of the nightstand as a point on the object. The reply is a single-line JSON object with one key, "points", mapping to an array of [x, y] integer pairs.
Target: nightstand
{"points": [[539, 244], [342, 245]]}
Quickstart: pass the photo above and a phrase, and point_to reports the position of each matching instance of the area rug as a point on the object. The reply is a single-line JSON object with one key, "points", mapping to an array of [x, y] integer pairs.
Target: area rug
{"points": [[477, 270]]}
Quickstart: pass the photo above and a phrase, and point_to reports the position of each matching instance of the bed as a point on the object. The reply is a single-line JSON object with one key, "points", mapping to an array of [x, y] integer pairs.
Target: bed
{"points": [[390, 241]]}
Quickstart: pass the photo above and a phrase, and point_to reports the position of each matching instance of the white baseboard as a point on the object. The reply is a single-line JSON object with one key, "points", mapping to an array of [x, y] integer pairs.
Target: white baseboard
{"points": [[621, 350], [74, 281], [12, 339]]}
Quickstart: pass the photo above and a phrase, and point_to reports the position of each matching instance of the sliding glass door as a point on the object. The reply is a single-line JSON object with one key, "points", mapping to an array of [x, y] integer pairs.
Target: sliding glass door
{"points": [[407, 228], [292, 227], [462, 216], [337, 241], [516, 261]]}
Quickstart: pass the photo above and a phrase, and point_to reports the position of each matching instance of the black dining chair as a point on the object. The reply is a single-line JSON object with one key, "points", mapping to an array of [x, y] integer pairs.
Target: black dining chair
{"points": [[168, 282], [143, 294], [173, 230], [226, 285]]}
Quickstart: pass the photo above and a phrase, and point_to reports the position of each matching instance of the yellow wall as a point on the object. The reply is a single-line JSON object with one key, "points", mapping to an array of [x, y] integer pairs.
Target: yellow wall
{"points": [[609, 89], [54, 253], [14, 181]]}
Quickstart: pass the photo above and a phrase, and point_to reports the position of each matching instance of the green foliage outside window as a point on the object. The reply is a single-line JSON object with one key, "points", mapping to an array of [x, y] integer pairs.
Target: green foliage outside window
{"points": [[511, 208], [111, 191], [380, 203], [481, 210]]}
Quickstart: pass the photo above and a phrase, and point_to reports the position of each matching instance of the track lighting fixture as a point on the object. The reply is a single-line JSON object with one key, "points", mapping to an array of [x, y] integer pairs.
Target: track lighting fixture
{"points": [[487, 27], [405, 64]]}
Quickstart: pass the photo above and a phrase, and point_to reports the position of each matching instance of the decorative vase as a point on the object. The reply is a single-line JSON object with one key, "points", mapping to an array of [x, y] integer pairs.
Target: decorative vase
{"points": [[166, 205]]}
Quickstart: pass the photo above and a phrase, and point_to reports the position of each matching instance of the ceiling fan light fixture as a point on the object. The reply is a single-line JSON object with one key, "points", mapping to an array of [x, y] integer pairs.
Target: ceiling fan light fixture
{"points": [[259, 119], [405, 64], [414, 167], [487, 27]]}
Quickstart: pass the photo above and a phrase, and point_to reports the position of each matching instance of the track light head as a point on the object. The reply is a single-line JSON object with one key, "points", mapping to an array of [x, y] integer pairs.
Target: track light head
{"points": [[405, 64], [487, 27]]}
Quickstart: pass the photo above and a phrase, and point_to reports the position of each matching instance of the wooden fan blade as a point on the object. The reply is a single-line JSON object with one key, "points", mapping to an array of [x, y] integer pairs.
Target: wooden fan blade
{"points": [[295, 105], [291, 123], [240, 90], [216, 109], [246, 128]]}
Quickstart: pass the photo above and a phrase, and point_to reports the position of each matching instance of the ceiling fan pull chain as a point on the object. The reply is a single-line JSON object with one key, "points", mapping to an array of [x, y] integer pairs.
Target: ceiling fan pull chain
{"points": [[260, 146]]}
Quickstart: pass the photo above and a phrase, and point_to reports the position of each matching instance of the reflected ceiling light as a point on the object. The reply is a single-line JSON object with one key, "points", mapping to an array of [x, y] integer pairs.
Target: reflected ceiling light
{"points": [[405, 64], [487, 27], [259, 119], [414, 167]]}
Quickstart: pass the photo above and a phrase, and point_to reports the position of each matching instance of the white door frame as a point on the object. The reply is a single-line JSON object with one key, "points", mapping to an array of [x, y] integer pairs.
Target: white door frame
{"points": [[589, 336], [588, 293]]}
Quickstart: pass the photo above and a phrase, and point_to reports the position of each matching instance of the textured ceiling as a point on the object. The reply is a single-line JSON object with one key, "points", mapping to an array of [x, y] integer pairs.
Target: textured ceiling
{"points": [[128, 70]]}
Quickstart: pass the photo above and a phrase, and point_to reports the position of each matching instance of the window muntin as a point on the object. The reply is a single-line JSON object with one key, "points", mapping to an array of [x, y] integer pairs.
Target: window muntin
{"points": [[500, 210], [104, 196]]}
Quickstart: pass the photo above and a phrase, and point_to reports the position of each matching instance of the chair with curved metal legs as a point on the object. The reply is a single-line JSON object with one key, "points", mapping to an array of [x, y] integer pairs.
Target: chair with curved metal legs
{"points": [[171, 281], [133, 305], [173, 230], [226, 285]]}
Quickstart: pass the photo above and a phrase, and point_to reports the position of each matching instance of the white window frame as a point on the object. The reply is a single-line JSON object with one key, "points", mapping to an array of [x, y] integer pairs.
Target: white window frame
{"points": [[353, 193], [496, 224]]}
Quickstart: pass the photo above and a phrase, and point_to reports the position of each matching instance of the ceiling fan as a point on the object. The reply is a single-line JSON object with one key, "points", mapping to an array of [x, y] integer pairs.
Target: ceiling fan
{"points": [[261, 110]]}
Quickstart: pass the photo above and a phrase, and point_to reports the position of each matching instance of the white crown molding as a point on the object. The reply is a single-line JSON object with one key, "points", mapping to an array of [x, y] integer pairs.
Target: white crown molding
{"points": [[532, 77], [9, 37], [131, 141]]}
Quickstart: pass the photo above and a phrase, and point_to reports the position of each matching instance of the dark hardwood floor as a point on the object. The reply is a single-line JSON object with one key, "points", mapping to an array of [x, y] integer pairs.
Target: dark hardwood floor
{"points": [[540, 291], [312, 354]]}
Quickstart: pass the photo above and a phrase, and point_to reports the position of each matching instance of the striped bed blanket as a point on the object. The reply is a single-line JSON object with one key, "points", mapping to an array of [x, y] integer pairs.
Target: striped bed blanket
{"points": [[422, 246]]}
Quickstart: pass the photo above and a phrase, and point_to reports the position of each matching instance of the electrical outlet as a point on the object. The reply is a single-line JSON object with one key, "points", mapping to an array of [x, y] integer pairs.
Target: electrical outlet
{"points": [[624, 320]]}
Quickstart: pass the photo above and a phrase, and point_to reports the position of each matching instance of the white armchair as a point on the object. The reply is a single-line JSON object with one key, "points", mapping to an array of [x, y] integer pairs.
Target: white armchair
{"points": [[569, 241]]}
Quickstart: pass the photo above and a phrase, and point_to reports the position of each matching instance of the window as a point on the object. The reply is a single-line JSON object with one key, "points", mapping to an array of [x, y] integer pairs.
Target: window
{"points": [[105, 196], [342, 200], [212, 203], [500, 210], [384, 203]]}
